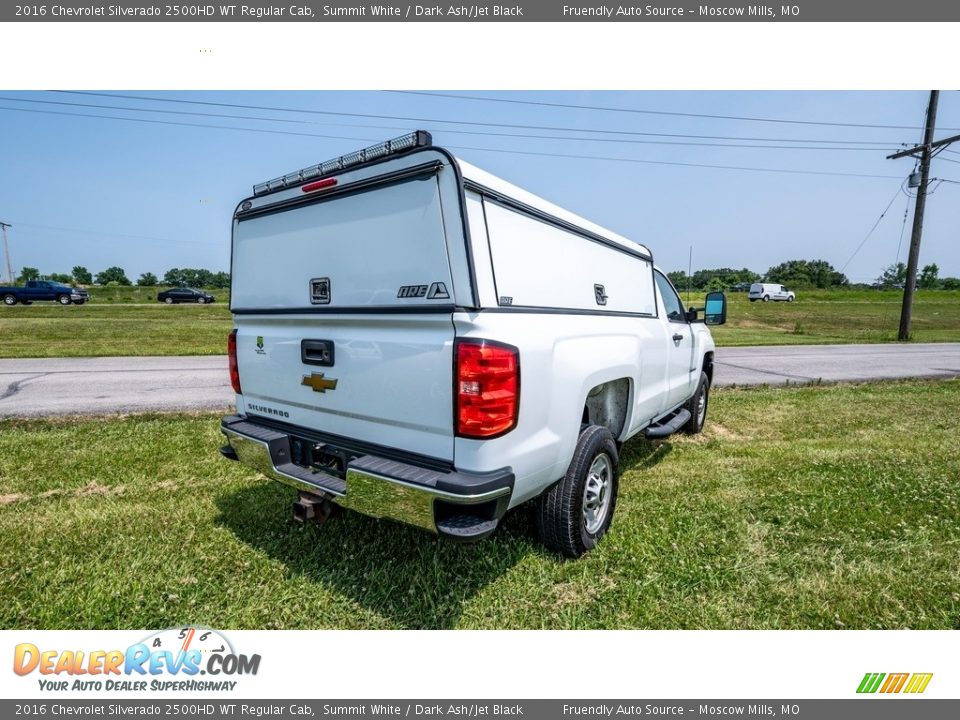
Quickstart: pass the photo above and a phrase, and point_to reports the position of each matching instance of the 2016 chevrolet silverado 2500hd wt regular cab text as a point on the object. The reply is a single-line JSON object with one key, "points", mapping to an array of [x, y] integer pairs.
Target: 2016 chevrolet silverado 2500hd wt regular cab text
{"points": [[420, 340]]}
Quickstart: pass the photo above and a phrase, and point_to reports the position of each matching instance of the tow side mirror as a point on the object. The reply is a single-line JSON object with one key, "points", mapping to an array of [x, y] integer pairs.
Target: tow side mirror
{"points": [[715, 311]]}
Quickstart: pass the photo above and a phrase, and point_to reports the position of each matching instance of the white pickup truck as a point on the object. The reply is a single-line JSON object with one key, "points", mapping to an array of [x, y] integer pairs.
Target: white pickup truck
{"points": [[419, 340]]}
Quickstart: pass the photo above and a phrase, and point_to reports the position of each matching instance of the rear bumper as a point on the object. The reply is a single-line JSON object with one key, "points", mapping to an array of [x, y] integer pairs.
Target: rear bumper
{"points": [[462, 506]]}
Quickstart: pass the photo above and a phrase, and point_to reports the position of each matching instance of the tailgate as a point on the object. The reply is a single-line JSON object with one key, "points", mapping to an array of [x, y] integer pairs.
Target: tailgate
{"points": [[393, 377]]}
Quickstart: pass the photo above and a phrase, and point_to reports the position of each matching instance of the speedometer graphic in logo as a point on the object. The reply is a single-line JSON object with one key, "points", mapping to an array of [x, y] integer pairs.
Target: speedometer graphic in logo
{"points": [[193, 637]]}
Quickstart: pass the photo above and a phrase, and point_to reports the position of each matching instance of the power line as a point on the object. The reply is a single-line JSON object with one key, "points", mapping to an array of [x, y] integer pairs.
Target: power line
{"points": [[461, 132], [465, 147], [875, 225], [121, 236], [659, 112], [680, 164], [604, 131]]}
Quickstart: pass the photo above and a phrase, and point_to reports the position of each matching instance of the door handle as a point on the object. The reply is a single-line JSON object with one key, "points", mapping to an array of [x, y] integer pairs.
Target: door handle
{"points": [[677, 337]]}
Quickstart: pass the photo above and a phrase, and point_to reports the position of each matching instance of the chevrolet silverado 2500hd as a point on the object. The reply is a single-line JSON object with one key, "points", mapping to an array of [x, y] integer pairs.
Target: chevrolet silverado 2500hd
{"points": [[419, 340]]}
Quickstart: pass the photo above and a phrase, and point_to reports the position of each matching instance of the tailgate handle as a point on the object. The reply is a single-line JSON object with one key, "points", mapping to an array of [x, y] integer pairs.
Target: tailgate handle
{"points": [[317, 352]]}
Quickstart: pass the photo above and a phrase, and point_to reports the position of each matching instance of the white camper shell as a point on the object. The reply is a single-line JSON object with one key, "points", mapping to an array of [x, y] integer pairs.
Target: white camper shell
{"points": [[418, 339]]}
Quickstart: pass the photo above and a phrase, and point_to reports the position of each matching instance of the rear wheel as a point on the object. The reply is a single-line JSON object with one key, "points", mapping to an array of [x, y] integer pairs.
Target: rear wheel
{"points": [[63, 299], [697, 405], [576, 512], [9, 300], [766, 298], [168, 300]]}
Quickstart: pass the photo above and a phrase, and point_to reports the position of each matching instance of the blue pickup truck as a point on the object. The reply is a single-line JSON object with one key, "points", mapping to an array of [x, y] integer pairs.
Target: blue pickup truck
{"points": [[43, 290]]}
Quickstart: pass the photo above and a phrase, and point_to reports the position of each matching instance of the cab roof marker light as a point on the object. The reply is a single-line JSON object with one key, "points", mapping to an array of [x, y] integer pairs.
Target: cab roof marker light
{"points": [[418, 138]]}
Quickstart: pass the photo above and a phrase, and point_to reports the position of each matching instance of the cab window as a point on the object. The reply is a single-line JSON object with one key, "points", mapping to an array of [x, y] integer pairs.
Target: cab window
{"points": [[671, 301]]}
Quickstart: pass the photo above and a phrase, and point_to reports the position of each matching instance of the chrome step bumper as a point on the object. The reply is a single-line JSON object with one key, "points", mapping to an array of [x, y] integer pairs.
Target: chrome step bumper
{"points": [[380, 487]]}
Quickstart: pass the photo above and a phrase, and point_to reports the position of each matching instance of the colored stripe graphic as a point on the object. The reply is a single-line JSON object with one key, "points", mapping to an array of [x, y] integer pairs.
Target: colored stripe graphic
{"points": [[918, 682], [870, 683], [894, 683]]}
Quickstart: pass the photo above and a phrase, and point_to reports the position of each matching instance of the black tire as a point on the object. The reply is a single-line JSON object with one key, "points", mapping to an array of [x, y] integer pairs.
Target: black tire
{"points": [[9, 300], [79, 302], [200, 301], [168, 300], [63, 299], [790, 298], [26, 302], [561, 519], [766, 298], [697, 419], [753, 299]]}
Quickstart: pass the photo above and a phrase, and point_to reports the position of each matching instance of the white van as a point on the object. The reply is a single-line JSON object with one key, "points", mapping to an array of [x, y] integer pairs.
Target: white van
{"points": [[420, 340], [770, 291]]}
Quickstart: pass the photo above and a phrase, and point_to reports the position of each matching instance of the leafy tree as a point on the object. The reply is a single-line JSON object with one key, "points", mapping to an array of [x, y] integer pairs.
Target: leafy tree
{"points": [[679, 278], [60, 278], [147, 278], [929, 279], [893, 276], [113, 274], [173, 277], [28, 274], [81, 275], [950, 283], [807, 273], [712, 279], [196, 277]]}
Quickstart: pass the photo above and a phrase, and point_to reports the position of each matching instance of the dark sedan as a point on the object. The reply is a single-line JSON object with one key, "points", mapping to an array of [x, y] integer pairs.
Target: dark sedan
{"points": [[181, 295]]}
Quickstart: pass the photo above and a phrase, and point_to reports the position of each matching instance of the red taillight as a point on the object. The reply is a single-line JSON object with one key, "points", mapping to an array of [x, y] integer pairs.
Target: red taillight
{"points": [[319, 185], [232, 356], [487, 388]]}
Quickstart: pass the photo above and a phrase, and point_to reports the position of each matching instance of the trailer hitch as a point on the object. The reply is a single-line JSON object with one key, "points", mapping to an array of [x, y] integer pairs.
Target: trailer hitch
{"points": [[311, 508]]}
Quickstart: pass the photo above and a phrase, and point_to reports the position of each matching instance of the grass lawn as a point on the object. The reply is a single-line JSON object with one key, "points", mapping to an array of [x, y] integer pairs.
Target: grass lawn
{"points": [[813, 507], [129, 321], [837, 316], [48, 330]]}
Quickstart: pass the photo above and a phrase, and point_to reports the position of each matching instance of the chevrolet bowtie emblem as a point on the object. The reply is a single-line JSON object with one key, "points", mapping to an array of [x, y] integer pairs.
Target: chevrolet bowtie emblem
{"points": [[318, 382]]}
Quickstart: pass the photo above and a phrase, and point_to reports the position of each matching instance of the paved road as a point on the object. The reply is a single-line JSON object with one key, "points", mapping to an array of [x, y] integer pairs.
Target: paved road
{"points": [[89, 386]]}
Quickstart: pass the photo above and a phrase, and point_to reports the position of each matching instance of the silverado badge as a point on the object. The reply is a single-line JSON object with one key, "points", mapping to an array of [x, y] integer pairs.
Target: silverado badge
{"points": [[318, 382]]}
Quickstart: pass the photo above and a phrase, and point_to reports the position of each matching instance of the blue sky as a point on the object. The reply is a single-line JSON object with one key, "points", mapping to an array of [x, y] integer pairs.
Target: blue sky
{"points": [[147, 196]]}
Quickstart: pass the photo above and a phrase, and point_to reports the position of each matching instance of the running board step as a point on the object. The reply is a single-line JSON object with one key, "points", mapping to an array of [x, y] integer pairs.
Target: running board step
{"points": [[668, 428], [466, 528]]}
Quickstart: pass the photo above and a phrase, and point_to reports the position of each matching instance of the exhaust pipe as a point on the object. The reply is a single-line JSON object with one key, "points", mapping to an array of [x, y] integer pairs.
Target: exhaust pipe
{"points": [[310, 508]]}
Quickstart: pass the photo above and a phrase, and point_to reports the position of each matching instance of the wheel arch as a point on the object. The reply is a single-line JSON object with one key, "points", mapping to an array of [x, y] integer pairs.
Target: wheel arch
{"points": [[608, 405]]}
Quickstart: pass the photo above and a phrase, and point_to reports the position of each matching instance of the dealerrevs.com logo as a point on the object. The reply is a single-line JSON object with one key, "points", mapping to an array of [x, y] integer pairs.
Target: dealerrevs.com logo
{"points": [[178, 659]]}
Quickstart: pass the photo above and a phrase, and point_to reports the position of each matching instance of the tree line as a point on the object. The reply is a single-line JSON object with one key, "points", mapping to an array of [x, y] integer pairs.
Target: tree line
{"points": [[115, 275], [807, 274]]}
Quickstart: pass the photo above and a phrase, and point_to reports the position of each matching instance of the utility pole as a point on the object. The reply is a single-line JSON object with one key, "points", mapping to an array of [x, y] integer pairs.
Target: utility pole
{"points": [[6, 251], [926, 153]]}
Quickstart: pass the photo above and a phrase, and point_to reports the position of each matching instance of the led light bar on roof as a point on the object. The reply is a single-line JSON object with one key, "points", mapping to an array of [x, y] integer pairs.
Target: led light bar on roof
{"points": [[416, 139]]}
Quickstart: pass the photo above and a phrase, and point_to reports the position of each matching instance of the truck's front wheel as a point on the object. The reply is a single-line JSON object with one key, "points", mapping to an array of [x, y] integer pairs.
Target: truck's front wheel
{"points": [[63, 299], [697, 405], [576, 512]]}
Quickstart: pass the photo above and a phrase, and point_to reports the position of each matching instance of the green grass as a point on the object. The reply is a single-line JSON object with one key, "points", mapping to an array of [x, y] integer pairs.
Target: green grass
{"points": [[48, 330], [815, 507], [837, 316], [129, 321]]}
